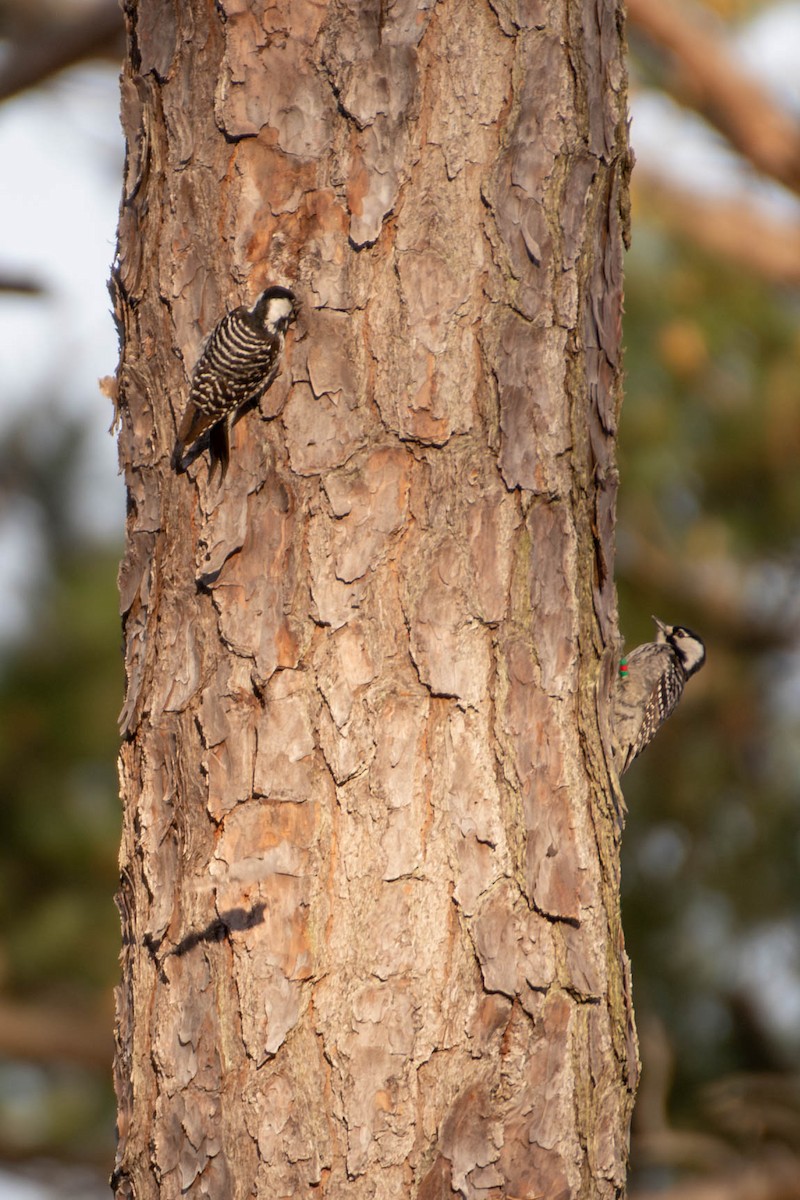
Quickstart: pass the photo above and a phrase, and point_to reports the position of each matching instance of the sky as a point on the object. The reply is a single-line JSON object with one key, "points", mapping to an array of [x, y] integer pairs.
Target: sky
{"points": [[62, 147]]}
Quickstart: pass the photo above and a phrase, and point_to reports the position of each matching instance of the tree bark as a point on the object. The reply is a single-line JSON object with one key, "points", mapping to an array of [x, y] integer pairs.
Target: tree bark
{"points": [[372, 944]]}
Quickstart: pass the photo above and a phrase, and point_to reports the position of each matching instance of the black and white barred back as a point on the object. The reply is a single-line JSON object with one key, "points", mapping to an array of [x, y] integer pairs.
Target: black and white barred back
{"points": [[239, 362], [650, 684]]}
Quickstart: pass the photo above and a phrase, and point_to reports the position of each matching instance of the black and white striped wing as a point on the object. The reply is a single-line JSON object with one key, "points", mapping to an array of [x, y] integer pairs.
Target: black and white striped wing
{"points": [[238, 363], [645, 697]]}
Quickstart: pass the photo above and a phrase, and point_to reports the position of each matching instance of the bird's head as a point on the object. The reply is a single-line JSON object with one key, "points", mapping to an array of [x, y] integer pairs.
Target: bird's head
{"points": [[688, 645], [277, 308]]}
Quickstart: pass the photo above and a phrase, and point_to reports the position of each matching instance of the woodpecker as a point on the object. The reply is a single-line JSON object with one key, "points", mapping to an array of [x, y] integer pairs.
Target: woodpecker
{"points": [[650, 683], [238, 363]]}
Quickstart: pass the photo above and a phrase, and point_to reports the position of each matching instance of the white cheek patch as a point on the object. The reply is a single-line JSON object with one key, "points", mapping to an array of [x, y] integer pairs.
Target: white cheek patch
{"points": [[280, 310]]}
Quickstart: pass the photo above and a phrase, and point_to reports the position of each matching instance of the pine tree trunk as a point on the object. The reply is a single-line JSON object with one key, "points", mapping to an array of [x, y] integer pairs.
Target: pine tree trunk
{"points": [[370, 855]]}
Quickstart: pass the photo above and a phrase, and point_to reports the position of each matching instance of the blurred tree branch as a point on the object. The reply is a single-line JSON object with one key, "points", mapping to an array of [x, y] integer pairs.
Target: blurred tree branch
{"points": [[717, 586], [50, 47], [45, 1034], [779, 1180], [752, 1107], [707, 77], [20, 285], [732, 229]]}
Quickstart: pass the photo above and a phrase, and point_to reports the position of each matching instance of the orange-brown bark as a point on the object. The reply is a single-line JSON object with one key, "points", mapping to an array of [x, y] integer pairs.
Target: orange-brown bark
{"points": [[372, 942]]}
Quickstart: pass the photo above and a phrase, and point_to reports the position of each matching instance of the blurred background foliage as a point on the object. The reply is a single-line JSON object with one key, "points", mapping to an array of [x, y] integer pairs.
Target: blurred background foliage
{"points": [[708, 535]]}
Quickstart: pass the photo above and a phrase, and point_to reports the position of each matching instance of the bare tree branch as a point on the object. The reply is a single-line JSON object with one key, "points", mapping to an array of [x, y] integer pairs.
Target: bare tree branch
{"points": [[44, 1034], [30, 61], [703, 585], [710, 80], [20, 285], [732, 229], [778, 1180]]}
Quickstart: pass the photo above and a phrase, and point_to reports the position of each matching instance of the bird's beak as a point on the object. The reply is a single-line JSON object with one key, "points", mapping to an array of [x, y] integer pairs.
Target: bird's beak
{"points": [[297, 325], [660, 624]]}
